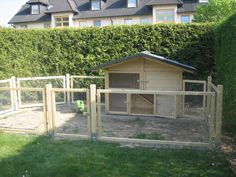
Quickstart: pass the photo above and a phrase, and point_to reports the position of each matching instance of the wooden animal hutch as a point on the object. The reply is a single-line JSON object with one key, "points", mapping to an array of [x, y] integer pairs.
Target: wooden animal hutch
{"points": [[144, 71]]}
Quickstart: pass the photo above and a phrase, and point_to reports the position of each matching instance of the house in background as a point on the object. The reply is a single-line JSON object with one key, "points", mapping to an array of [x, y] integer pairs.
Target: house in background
{"points": [[85, 13]]}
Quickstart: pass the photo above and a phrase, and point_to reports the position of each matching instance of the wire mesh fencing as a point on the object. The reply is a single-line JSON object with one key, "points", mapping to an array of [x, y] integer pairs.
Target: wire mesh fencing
{"points": [[25, 119], [72, 118], [147, 115]]}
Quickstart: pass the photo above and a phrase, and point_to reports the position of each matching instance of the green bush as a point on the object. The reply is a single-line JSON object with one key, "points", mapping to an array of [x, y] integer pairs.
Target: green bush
{"points": [[60, 51], [226, 70]]}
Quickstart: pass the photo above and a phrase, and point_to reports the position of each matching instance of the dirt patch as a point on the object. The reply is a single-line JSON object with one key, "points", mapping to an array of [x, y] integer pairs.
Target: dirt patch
{"points": [[68, 120]]}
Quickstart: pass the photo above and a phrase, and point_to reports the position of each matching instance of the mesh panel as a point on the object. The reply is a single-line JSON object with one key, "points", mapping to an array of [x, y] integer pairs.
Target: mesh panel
{"points": [[72, 118]]}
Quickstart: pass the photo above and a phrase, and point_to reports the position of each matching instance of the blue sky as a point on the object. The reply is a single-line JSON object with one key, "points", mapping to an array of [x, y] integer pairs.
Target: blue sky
{"points": [[8, 9]]}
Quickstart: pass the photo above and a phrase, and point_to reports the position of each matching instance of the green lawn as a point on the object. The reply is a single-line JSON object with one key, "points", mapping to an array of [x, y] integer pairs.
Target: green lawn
{"points": [[31, 156]]}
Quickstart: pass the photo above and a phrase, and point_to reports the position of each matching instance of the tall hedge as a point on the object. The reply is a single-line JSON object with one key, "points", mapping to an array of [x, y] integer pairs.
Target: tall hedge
{"points": [[60, 51], [226, 70]]}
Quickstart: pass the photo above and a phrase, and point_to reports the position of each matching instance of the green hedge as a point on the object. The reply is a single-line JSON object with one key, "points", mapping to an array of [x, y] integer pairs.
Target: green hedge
{"points": [[226, 70], [59, 51]]}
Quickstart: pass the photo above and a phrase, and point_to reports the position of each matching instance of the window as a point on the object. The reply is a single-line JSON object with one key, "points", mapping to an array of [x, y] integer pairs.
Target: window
{"points": [[165, 16], [97, 23], [95, 4], [23, 26], [62, 21], [132, 3], [128, 21], [144, 20], [35, 9], [82, 24], [185, 19]]}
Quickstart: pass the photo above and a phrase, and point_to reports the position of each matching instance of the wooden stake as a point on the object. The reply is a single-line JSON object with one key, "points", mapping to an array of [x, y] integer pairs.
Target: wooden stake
{"points": [[68, 87], [49, 109], [219, 106], [93, 111]]}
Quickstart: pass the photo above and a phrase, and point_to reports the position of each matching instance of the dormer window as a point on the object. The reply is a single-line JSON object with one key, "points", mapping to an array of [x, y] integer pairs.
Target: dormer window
{"points": [[95, 4], [34, 9], [131, 3]]}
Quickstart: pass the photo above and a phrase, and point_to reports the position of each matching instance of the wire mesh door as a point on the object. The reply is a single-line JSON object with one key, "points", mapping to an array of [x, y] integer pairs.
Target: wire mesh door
{"points": [[73, 118]]}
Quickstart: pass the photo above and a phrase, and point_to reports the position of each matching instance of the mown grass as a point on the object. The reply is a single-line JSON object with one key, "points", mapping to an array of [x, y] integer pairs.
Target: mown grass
{"points": [[34, 156]]}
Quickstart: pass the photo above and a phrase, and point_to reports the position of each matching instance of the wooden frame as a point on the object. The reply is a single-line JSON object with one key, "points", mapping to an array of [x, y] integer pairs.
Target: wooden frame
{"points": [[204, 83], [52, 92], [73, 77], [34, 79], [44, 111]]}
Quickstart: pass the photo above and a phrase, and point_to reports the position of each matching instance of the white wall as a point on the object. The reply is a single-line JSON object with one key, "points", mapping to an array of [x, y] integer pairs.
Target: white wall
{"points": [[31, 25], [111, 20]]}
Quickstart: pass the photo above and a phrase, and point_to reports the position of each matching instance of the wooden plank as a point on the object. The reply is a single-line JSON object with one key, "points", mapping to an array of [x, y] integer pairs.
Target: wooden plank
{"points": [[93, 110], [14, 93], [40, 78], [45, 121], [54, 111], [69, 90], [99, 115], [5, 81], [88, 113], [135, 91], [49, 108], [212, 121], [219, 107], [22, 89], [38, 132], [155, 142], [88, 77], [72, 136], [208, 106], [213, 87], [195, 81], [68, 87]]}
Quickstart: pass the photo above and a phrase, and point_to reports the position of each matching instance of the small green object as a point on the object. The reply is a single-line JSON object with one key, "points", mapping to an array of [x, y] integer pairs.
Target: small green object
{"points": [[80, 105]]}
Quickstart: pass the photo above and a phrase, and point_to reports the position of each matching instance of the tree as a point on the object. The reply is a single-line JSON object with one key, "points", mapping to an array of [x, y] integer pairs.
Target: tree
{"points": [[215, 11]]}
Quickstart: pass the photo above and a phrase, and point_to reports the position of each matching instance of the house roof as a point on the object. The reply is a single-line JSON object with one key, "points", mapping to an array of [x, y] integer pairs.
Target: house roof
{"points": [[187, 7], [161, 2], [24, 15], [45, 2], [110, 8], [147, 55], [62, 6]]}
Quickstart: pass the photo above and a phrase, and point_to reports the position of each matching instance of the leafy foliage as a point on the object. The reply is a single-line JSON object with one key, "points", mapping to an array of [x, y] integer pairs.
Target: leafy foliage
{"points": [[215, 11], [60, 51], [226, 70]]}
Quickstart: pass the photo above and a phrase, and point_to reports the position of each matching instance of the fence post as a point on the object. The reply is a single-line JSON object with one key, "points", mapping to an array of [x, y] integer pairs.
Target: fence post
{"points": [[219, 104], [212, 121], [93, 111], [14, 93], [49, 109], [208, 106], [68, 87]]}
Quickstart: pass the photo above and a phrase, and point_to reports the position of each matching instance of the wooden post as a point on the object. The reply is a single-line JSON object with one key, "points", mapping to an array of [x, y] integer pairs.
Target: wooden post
{"points": [[14, 93], [93, 111], [212, 120], [99, 114], [68, 87], [219, 102], [88, 113], [208, 106], [49, 109]]}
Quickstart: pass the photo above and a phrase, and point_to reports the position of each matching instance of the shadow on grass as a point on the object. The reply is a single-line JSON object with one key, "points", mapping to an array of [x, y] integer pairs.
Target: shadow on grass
{"points": [[37, 156]]}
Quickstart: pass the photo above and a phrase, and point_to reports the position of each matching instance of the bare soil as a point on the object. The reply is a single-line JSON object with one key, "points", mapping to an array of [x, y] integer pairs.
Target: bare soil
{"points": [[69, 120]]}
